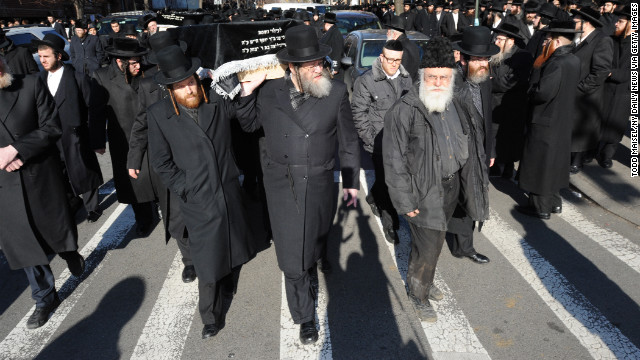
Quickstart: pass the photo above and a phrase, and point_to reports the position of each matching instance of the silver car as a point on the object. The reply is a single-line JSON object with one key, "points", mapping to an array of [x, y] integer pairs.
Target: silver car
{"points": [[22, 36]]}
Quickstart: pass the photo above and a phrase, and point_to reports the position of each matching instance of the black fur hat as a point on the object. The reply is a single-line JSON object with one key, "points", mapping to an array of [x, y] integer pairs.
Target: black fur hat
{"points": [[438, 54]]}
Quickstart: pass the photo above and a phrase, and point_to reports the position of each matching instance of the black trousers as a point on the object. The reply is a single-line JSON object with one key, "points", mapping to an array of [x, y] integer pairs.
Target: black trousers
{"points": [[301, 296], [461, 243], [380, 194], [90, 200], [143, 213], [211, 297], [426, 245], [42, 281], [544, 203], [608, 150]]}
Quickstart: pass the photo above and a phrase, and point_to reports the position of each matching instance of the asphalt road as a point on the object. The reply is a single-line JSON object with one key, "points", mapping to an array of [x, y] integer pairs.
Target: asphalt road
{"points": [[566, 288]]}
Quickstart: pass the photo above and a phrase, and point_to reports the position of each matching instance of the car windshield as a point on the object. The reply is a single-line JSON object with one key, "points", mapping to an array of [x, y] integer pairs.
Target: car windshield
{"points": [[349, 24], [371, 49]]}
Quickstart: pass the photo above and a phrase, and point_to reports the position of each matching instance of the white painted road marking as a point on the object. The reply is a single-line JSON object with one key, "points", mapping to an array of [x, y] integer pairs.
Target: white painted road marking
{"points": [[167, 328], [585, 321], [22, 343]]}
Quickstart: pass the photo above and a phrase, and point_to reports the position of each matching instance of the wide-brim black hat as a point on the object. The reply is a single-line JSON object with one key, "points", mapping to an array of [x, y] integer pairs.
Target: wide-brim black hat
{"points": [[624, 12], [588, 14], [146, 20], [396, 23], [302, 45], [128, 29], [174, 65], [561, 27], [126, 48], [54, 41], [330, 18], [510, 30], [531, 6], [160, 41], [476, 41], [548, 10]]}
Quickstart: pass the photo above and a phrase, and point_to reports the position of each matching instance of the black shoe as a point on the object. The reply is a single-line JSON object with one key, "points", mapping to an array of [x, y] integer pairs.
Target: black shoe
{"points": [[308, 333], [573, 169], [435, 294], [528, 210], [188, 274], [374, 208], [76, 264], [478, 258], [41, 315], [210, 330], [605, 163], [424, 309], [143, 230], [392, 236], [556, 209], [325, 266], [93, 216]]}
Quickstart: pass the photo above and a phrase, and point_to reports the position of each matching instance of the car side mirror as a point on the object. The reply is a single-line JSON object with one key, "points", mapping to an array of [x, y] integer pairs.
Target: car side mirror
{"points": [[346, 61]]}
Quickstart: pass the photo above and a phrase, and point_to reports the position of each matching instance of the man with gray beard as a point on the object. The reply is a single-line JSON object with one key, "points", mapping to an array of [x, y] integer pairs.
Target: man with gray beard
{"points": [[433, 151]]}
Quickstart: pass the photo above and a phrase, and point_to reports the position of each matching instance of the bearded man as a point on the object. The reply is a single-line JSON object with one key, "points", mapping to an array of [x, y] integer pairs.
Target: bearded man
{"points": [[36, 222], [333, 38], [70, 90], [609, 16], [190, 149], [433, 150], [546, 12], [113, 108], [303, 115], [510, 70], [426, 21], [547, 146]]}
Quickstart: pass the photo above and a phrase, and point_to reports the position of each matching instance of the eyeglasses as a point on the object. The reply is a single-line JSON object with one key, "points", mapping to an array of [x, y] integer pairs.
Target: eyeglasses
{"points": [[312, 67], [501, 39], [442, 78], [392, 61]]}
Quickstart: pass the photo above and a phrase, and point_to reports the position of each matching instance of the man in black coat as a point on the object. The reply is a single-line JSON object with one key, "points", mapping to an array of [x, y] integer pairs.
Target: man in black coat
{"points": [[426, 21], [303, 115], [57, 26], [408, 16], [516, 16], [333, 38], [609, 16], [475, 49], [428, 171], [595, 51], [18, 58], [86, 50], [547, 147], [454, 22], [546, 12], [190, 149], [70, 90], [387, 14], [36, 221], [113, 107], [411, 51]]}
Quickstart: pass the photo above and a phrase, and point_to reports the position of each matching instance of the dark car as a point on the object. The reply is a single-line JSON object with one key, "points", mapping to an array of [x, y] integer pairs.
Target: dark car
{"points": [[23, 35], [354, 20], [361, 48], [128, 17]]}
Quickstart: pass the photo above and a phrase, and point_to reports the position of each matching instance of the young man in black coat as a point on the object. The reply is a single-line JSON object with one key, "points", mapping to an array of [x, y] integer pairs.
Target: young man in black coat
{"points": [[36, 221], [70, 90], [333, 38]]}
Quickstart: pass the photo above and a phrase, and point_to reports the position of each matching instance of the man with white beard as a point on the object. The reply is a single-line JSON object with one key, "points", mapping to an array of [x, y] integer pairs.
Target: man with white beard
{"points": [[433, 151]]}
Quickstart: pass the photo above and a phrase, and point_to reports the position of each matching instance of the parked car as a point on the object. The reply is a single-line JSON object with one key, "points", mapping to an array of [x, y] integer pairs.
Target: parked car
{"points": [[128, 17], [22, 36], [361, 48], [354, 20]]}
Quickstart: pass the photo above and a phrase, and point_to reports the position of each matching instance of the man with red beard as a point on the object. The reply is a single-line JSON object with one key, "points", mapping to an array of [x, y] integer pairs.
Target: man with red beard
{"points": [[547, 147], [190, 149], [433, 151]]}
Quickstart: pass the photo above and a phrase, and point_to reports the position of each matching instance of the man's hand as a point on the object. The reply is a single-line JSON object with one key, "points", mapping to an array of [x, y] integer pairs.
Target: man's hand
{"points": [[354, 196], [100, 151], [7, 155], [134, 173], [414, 213], [249, 86], [14, 165], [492, 161]]}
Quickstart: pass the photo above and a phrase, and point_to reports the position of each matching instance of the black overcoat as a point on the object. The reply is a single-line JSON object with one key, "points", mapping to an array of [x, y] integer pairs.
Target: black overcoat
{"points": [[36, 219], [195, 161], [20, 60], [86, 54], [427, 23], [72, 100], [148, 94], [544, 168], [334, 38], [618, 93], [114, 106], [595, 54], [410, 56], [298, 157]]}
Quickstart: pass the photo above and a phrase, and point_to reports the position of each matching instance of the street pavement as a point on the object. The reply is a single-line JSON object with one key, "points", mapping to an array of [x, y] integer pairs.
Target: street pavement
{"points": [[566, 288]]}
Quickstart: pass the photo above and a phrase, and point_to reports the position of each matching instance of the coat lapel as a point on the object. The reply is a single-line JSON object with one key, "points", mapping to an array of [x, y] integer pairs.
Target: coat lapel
{"points": [[7, 101], [205, 116]]}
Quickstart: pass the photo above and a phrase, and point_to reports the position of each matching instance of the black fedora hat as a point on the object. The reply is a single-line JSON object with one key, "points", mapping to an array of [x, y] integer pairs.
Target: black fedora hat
{"points": [[396, 23], [125, 47], [174, 65], [497, 6], [54, 41], [561, 27], [476, 41], [532, 6], [330, 18], [469, 4], [145, 20], [128, 29], [588, 14], [624, 12], [548, 10], [160, 41], [510, 30], [302, 45]]}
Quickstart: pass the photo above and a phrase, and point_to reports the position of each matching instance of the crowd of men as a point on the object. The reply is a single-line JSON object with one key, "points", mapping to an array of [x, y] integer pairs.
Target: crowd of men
{"points": [[534, 84]]}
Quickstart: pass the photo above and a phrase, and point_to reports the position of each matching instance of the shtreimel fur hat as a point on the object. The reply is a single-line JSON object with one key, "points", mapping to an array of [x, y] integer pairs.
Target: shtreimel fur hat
{"points": [[438, 54]]}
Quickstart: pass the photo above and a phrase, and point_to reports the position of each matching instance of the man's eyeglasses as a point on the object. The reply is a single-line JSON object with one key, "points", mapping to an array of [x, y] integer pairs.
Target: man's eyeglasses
{"points": [[392, 61], [442, 78], [313, 66]]}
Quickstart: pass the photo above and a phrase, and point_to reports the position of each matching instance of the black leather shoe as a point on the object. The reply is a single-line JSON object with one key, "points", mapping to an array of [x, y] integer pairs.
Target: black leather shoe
{"points": [[605, 163], [374, 208], [188, 273], [41, 315], [574, 169], [76, 264], [210, 330], [308, 333], [392, 236], [527, 210], [478, 258], [93, 216], [556, 210], [424, 309], [325, 266]]}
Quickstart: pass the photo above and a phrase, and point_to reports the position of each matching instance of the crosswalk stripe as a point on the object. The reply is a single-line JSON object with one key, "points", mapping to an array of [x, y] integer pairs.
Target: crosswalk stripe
{"points": [[167, 328], [585, 321], [619, 246], [22, 343], [452, 334], [290, 347]]}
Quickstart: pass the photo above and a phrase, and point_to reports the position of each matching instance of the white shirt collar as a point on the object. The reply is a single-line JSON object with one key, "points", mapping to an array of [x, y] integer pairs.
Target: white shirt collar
{"points": [[394, 75], [53, 80]]}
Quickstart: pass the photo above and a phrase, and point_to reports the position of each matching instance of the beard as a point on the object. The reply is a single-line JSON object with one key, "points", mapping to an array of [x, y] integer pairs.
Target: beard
{"points": [[436, 101], [547, 51], [319, 88], [498, 58], [190, 101], [6, 80], [476, 77]]}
